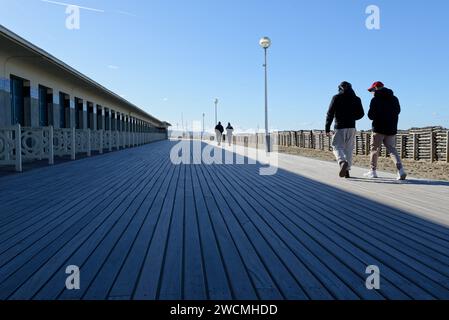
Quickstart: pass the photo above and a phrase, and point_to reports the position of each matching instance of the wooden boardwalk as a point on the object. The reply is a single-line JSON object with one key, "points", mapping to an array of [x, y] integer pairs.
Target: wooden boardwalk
{"points": [[140, 227]]}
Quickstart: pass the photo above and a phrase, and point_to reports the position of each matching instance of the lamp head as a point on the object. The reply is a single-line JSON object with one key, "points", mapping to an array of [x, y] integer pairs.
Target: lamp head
{"points": [[265, 42]]}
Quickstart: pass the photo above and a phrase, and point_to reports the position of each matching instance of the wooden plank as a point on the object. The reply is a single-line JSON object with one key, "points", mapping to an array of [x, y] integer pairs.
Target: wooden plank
{"points": [[109, 270], [105, 261], [394, 220], [240, 283], [272, 249], [125, 285], [195, 286], [36, 212], [149, 281], [218, 287], [50, 243], [348, 267], [70, 197], [261, 278], [417, 277], [312, 210], [171, 284], [93, 243], [57, 216], [146, 229]]}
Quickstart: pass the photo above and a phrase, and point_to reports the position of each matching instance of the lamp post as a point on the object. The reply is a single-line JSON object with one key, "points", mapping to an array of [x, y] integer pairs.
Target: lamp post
{"points": [[202, 131], [216, 112], [265, 43]]}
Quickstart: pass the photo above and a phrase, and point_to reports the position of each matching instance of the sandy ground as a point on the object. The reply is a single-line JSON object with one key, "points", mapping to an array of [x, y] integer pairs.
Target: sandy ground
{"points": [[418, 169]]}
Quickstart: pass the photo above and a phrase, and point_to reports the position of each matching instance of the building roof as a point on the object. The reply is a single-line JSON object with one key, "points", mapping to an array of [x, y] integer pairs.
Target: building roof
{"points": [[11, 36]]}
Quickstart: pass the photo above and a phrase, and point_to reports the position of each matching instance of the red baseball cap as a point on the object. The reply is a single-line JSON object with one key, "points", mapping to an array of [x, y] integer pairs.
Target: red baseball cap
{"points": [[376, 85]]}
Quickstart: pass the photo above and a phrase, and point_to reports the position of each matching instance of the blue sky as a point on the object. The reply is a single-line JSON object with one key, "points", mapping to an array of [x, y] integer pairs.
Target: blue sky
{"points": [[174, 57]]}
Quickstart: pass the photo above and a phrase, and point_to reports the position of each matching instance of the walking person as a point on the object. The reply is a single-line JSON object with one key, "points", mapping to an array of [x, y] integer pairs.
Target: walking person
{"points": [[346, 108], [384, 112], [229, 132], [219, 133]]}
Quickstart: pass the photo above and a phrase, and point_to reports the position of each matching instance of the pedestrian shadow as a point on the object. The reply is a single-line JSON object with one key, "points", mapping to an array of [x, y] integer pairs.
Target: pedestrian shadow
{"points": [[410, 181], [306, 214], [219, 231]]}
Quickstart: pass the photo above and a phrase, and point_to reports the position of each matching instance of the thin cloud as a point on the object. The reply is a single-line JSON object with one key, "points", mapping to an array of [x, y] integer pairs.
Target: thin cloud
{"points": [[73, 5], [125, 13], [112, 67]]}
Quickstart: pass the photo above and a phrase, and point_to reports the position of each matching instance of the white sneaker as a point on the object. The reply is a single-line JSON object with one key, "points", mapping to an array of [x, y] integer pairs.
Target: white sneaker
{"points": [[372, 174], [402, 175]]}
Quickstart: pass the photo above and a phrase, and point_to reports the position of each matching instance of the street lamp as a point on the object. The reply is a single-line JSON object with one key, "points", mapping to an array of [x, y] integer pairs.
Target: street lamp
{"points": [[265, 43], [216, 117], [202, 132]]}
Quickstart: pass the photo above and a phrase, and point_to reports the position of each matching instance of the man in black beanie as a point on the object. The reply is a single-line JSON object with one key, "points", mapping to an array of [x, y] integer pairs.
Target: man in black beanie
{"points": [[346, 108]]}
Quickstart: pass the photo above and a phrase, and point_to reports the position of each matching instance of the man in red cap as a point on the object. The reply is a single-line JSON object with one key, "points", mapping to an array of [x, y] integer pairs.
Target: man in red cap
{"points": [[384, 112]]}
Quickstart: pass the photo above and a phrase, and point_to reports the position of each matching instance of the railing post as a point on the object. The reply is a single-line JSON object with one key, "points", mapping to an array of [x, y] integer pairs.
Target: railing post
{"points": [[73, 144], [89, 143], [51, 149], [433, 148], [18, 136], [415, 147], [403, 147], [101, 141], [322, 136], [447, 146], [110, 141], [367, 144], [312, 141]]}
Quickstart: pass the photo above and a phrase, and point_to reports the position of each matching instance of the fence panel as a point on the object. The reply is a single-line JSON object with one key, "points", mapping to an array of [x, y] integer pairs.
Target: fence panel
{"points": [[427, 144], [10, 147], [96, 141], [82, 141], [37, 144], [64, 142]]}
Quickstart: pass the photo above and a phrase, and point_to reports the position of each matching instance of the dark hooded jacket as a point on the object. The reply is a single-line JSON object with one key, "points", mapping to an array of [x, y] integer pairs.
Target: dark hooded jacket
{"points": [[384, 111], [220, 128], [346, 108]]}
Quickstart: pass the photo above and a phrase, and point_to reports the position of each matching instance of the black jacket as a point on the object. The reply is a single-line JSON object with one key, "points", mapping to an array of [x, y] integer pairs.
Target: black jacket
{"points": [[384, 111], [346, 108], [220, 128]]}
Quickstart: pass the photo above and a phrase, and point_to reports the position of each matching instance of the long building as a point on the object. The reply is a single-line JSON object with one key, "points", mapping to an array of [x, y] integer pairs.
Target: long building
{"points": [[38, 90]]}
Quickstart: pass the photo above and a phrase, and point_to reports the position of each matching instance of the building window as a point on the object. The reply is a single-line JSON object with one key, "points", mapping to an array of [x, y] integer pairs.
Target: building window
{"points": [[78, 113], [107, 120], [64, 110], [45, 103], [113, 121], [90, 115], [99, 117], [17, 101]]}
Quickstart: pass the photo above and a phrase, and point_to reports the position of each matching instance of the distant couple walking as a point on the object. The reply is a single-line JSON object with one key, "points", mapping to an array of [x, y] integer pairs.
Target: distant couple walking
{"points": [[219, 130], [346, 108]]}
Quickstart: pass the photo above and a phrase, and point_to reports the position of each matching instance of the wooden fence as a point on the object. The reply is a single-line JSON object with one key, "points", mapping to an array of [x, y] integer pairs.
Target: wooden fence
{"points": [[18, 144], [428, 144]]}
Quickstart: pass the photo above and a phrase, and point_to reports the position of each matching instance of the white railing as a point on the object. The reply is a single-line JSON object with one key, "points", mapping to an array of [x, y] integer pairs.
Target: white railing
{"points": [[96, 141], [82, 142], [10, 147], [64, 143], [18, 144], [37, 144]]}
